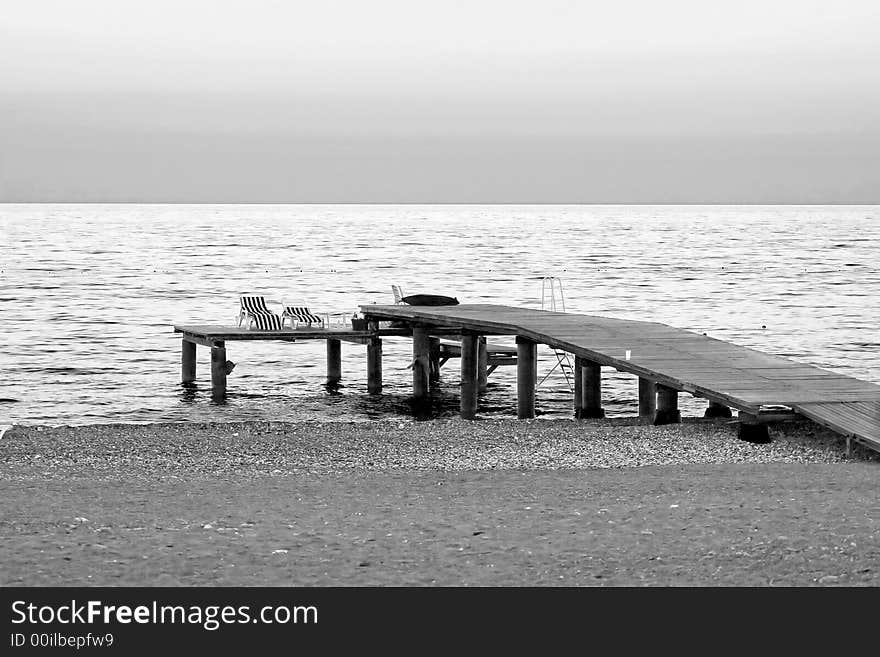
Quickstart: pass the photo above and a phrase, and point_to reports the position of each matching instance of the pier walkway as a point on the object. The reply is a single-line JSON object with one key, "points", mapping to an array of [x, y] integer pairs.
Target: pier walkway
{"points": [[667, 360]]}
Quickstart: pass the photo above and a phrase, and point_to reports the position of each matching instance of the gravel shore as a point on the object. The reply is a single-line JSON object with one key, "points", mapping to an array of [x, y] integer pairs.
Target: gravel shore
{"points": [[493, 503], [276, 448]]}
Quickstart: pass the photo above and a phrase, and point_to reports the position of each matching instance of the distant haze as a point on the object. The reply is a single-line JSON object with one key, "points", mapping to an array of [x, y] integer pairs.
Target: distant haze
{"points": [[440, 101]]}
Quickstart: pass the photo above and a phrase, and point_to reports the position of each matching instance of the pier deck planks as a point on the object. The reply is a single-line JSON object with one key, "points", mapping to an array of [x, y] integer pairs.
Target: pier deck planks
{"points": [[229, 333]]}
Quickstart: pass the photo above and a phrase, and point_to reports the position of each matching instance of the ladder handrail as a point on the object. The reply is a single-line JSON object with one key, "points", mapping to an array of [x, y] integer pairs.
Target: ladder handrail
{"points": [[562, 359], [553, 282]]}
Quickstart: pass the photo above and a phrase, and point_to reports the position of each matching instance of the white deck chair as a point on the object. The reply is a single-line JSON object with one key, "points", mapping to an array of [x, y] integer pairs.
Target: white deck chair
{"points": [[255, 314]]}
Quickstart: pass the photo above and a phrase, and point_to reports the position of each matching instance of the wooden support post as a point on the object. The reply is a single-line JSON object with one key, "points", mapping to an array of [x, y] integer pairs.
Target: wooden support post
{"points": [[218, 371], [374, 359], [421, 363], [751, 430], [588, 389], [483, 365], [374, 366], [647, 399], [592, 373], [334, 362], [667, 406], [435, 359], [187, 361], [717, 409], [470, 348], [526, 377]]}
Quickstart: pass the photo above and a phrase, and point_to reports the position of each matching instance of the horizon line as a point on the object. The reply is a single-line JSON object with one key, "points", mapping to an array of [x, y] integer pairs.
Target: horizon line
{"points": [[620, 203]]}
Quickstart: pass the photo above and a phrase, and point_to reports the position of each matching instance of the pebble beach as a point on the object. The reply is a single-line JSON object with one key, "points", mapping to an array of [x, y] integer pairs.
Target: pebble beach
{"points": [[439, 503], [277, 448]]}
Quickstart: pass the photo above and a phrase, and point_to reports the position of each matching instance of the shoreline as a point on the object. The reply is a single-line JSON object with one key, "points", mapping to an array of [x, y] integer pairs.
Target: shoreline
{"points": [[258, 447]]}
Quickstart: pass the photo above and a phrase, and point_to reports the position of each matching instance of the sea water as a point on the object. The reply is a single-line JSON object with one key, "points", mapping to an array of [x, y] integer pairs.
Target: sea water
{"points": [[89, 295]]}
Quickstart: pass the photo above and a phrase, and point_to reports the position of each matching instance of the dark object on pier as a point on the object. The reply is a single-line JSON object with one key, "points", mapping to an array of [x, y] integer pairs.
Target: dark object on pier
{"points": [[754, 433], [424, 300], [717, 410], [429, 300]]}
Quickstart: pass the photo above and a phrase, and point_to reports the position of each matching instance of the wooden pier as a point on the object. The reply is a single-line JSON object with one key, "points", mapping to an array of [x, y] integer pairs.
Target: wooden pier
{"points": [[216, 337], [666, 360], [441, 350]]}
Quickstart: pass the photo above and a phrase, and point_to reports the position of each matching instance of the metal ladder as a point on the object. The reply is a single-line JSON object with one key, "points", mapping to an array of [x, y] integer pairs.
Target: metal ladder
{"points": [[555, 302]]}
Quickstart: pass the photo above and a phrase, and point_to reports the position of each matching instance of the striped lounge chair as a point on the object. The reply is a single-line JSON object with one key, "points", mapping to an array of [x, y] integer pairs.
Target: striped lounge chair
{"points": [[255, 314], [301, 315]]}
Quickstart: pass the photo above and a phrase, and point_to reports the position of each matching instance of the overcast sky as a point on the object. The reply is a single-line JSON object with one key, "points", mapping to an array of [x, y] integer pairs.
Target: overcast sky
{"points": [[440, 101]]}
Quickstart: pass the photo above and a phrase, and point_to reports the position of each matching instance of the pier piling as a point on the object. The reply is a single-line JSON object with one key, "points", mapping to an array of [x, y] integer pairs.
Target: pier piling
{"points": [[218, 371], [667, 406], [588, 389], [483, 365], [647, 399], [470, 348], [421, 363], [374, 362], [334, 362], [434, 345], [187, 361], [526, 377]]}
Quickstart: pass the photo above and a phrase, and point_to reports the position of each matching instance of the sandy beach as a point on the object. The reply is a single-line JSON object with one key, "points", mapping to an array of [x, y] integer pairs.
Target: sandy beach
{"points": [[486, 503]]}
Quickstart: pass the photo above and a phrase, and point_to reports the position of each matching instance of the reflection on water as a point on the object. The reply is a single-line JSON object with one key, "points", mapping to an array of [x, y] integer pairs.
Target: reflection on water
{"points": [[89, 293]]}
